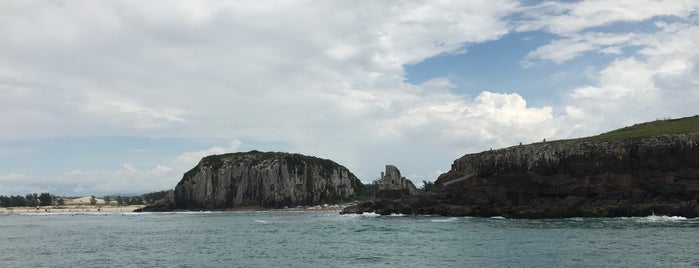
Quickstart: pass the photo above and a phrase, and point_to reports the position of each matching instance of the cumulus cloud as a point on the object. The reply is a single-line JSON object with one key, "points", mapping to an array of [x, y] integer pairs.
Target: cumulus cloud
{"points": [[246, 69]]}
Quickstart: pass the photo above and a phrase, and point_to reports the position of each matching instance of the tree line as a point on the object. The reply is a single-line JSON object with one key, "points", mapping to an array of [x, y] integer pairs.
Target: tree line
{"points": [[30, 200], [48, 199]]}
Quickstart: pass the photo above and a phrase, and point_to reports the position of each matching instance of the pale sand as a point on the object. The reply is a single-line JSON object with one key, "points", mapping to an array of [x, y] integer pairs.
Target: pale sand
{"points": [[70, 209], [125, 209]]}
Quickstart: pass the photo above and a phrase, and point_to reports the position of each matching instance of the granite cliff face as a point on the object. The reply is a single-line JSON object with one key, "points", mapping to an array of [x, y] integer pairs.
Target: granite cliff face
{"points": [[579, 178], [392, 180], [269, 180]]}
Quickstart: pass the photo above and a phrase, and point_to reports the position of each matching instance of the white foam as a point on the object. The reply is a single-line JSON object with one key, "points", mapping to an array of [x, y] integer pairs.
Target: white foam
{"points": [[368, 214], [452, 219], [498, 217], [662, 218], [261, 221]]}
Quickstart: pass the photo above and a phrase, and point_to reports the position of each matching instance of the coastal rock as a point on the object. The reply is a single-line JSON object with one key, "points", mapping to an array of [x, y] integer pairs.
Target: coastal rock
{"points": [[264, 179], [392, 180], [577, 178], [164, 205]]}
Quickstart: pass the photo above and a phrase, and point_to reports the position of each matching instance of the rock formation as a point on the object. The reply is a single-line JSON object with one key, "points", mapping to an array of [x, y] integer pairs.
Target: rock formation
{"points": [[577, 178], [392, 180], [262, 179]]}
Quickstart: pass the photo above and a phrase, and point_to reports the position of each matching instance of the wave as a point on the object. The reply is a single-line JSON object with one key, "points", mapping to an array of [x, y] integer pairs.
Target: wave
{"points": [[451, 219], [62, 214], [662, 218], [365, 214]]}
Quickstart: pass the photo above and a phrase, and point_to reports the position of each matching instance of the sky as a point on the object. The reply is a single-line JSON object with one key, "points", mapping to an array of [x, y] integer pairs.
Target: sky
{"points": [[107, 97]]}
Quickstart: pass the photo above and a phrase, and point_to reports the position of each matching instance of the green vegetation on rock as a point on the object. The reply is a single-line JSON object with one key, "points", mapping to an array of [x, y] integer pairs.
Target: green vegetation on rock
{"points": [[651, 129]]}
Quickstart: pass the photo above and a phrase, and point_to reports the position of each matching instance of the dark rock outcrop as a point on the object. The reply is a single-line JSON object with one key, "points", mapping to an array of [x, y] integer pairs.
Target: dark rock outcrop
{"points": [[392, 180], [262, 179], [164, 205], [578, 178]]}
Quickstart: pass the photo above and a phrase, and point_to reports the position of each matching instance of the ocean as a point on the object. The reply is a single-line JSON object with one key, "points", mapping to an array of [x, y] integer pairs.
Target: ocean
{"points": [[327, 239]]}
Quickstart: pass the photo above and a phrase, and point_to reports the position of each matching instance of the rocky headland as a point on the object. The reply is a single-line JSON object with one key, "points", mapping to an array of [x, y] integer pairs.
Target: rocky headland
{"points": [[261, 179], [607, 176]]}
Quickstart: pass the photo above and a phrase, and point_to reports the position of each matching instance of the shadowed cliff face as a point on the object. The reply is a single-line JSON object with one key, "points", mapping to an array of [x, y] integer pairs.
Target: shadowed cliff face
{"points": [[270, 180], [632, 177]]}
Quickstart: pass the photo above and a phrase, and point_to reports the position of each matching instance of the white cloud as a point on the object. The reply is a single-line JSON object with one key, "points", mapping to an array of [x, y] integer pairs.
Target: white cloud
{"points": [[660, 83], [325, 77], [190, 159], [575, 45], [125, 180], [12, 177], [650, 76], [571, 18]]}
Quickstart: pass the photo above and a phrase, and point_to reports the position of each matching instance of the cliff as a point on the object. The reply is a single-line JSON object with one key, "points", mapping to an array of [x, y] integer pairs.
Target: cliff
{"points": [[594, 177], [264, 179], [392, 180]]}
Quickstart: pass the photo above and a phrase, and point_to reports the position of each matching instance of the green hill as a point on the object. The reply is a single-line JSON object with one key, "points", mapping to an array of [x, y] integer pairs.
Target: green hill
{"points": [[652, 129]]}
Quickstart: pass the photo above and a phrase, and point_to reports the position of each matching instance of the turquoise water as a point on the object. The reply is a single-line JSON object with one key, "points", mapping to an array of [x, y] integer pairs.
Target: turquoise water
{"points": [[326, 239]]}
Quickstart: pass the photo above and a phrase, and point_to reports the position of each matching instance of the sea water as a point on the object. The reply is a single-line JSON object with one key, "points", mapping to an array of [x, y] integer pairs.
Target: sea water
{"points": [[327, 239]]}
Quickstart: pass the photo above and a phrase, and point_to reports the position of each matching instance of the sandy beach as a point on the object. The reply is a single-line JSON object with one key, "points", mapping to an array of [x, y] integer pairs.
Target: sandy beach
{"points": [[70, 209]]}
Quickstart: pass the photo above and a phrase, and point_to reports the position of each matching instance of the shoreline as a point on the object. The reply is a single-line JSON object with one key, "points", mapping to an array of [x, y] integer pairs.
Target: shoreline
{"points": [[68, 209], [81, 209]]}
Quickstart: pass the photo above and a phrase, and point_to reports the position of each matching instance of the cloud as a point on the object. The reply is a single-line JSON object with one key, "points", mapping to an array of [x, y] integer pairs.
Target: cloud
{"points": [[254, 71], [572, 18], [219, 70], [650, 74], [575, 45], [190, 159], [659, 82], [125, 180]]}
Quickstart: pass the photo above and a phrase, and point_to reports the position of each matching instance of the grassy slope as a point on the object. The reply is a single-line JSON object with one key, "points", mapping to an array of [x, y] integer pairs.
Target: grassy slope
{"points": [[651, 129]]}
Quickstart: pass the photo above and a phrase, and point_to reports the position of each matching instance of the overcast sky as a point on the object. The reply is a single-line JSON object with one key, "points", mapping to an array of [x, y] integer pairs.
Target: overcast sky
{"points": [[104, 97]]}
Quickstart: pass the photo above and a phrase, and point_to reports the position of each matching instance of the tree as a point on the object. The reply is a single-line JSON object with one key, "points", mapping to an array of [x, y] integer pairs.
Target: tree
{"points": [[5, 201], [120, 201], [151, 198], [107, 199], [18, 201], [135, 201], [60, 201], [93, 200], [45, 199], [32, 200]]}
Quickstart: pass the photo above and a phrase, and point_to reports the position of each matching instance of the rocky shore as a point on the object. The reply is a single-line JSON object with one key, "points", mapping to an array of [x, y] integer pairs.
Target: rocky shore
{"points": [[578, 178]]}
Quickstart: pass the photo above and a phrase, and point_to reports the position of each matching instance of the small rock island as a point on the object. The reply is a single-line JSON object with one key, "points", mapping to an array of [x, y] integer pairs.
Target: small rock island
{"points": [[261, 179]]}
